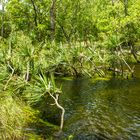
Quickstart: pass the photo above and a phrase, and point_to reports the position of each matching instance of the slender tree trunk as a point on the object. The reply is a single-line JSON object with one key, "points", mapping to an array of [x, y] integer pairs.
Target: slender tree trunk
{"points": [[35, 12], [64, 32], [2, 27], [126, 7], [52, 19]]}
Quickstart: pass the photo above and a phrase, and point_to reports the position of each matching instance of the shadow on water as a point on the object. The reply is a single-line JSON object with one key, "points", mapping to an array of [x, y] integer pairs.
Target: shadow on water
{"points": [[102, 109]]}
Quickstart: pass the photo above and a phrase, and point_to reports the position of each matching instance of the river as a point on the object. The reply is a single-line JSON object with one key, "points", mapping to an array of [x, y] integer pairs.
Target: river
{"points": [[97, 109], [102, 109]]}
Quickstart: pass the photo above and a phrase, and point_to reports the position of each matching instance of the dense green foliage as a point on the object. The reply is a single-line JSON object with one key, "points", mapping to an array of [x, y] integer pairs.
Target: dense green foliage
{"points": [[74, 20], [40, 39], [106, 27]]}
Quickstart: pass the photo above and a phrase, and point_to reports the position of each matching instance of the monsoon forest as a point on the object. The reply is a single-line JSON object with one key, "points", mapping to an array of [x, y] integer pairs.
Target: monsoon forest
{"points": [[69, 69]]}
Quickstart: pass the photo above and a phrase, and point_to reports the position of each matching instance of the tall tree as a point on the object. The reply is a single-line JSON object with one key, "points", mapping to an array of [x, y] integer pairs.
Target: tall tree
{"points": [[52, 19]]}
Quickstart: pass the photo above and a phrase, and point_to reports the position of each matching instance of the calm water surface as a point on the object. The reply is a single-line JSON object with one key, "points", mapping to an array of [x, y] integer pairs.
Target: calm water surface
{"points": [[102, 109]]}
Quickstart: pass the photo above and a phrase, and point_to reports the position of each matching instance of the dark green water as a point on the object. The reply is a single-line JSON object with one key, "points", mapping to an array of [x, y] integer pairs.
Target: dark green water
{"points": [[102, 109]]}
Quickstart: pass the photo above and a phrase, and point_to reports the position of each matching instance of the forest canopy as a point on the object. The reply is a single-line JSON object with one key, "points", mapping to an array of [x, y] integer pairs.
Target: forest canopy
{"points": [[78, 20]]}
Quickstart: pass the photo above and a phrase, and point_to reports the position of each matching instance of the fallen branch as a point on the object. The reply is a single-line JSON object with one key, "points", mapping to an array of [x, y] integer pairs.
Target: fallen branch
{"points": [[59, 106], [130, 69]]}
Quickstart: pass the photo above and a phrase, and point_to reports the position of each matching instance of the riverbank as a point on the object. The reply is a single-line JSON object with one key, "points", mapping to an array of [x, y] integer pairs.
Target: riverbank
{"points": [[28, 74]]}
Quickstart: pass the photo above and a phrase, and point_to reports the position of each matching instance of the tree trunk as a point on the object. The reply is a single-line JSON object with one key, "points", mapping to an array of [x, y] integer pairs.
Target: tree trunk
{"points": [[2, 27], [52, 19], [126, 7], [35, 13]]}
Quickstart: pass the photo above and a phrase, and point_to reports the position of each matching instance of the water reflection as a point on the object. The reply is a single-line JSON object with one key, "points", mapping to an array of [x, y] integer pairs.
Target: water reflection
{"points": [[102, 109]]}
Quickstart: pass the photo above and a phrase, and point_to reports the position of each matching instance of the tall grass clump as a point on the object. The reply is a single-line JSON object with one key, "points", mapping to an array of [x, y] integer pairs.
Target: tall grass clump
{"points": [[14, 117]]}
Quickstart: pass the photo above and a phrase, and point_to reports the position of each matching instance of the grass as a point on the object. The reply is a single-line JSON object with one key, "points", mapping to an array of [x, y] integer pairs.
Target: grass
{"points": [[14, 116]]}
